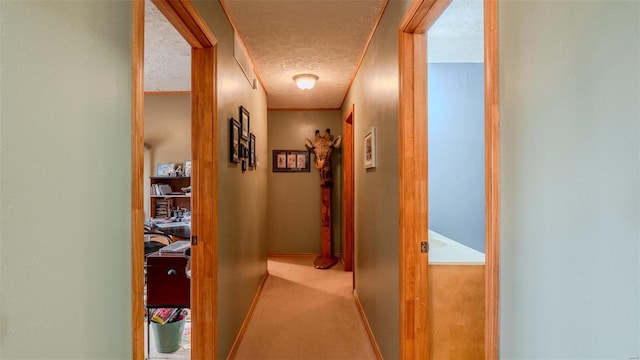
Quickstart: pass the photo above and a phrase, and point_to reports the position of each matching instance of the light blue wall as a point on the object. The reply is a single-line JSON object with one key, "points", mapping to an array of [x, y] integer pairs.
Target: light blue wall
{"points": [[456, 152], [570, 179], [65, 193]]}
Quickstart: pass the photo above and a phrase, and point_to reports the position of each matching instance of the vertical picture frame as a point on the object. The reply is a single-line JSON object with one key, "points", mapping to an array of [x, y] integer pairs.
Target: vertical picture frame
{"points": [[252, 150], [301, 160], [234, 141], [292, 162], [187, 168], [370, 149], [279, 161], [244, 122]]}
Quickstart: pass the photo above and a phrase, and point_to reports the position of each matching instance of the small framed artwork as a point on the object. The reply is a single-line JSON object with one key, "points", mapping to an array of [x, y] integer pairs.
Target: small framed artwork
{"points": [[279, 161], [234, 141], [244, 153], [252, 150], [301, 160], [370, 149], [165, 169], [244, 122], [291, 161]]}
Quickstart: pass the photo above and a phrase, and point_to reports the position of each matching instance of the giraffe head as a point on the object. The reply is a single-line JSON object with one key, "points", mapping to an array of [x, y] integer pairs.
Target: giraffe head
{"points": [[322, 147]]}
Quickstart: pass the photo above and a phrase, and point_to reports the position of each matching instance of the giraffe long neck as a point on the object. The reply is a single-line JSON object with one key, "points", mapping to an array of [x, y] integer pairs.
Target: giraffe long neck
{"points": [[326, 178]]}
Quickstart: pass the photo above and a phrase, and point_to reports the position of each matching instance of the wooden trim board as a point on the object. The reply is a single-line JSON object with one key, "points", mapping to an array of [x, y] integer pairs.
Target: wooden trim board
{"points": [[137, 181], [492, 181], [367, 327], [204, 218], [247, 318], [185, 18], [348, 195], [413, 216], [413, 182], [364, 51], [225, 8]]}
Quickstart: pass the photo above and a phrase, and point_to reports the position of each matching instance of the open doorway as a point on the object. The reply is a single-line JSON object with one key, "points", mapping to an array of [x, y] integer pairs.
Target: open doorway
{"points": [[167, 208], [456, 191], [414, 224], [203, 282]]}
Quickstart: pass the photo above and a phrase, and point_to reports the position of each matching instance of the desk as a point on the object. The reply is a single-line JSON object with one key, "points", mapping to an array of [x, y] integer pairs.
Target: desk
{"points": [[181, 232], [167, 283]]}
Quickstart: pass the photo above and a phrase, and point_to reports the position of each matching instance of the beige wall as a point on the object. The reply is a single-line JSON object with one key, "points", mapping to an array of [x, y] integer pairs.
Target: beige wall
{"points": [[374, 95], [294, 198], [242, 197], [167, 128], [65, 186]]}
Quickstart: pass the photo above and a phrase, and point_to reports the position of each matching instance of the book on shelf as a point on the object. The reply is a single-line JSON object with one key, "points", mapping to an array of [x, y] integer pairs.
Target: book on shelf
{"points": [[161, 189]]}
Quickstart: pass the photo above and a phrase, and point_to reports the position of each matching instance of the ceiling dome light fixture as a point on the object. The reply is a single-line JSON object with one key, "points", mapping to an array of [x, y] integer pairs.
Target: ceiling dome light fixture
{"points": [[306, 81]]}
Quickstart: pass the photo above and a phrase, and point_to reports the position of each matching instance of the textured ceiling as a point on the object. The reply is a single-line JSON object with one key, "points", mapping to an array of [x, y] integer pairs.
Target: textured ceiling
{"points": [[457, 35], [289, 37], [167, 56], [321, 37]]}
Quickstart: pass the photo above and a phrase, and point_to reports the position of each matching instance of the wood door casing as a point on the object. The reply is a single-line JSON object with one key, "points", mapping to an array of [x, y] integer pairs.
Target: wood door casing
{"points": [[137, 183], [413, 177], [349, 194], [188, 22]]}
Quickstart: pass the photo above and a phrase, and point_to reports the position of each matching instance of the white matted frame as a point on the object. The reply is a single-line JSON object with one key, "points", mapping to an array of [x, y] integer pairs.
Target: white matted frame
{"points": [[370, 149]]}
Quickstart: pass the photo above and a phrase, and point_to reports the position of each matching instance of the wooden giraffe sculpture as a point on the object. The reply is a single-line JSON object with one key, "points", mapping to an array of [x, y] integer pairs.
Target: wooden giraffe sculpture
{"points": [[322, 147]]}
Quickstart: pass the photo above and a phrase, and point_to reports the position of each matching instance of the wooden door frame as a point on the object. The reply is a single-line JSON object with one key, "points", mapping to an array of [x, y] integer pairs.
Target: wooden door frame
{"points": [[204, 285], [348, 215], [414, 336]]}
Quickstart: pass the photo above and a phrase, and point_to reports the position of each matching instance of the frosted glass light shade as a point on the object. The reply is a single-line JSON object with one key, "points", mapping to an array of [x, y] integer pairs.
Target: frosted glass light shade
{"points": [[305, 81]]}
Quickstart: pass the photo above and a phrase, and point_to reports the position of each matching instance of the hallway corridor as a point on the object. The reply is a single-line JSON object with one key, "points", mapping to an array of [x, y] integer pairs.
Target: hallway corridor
{"points": [[304, 313]]}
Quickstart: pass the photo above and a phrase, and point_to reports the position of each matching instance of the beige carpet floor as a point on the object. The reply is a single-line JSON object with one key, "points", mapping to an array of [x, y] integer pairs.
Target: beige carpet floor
{"points": [[305, 314]]}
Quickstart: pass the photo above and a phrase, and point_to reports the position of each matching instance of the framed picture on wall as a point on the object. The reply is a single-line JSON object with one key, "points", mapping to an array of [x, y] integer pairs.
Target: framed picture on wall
{"points": [[370, 149], [301, 160], [279, 160], [234, 141], [244, 122], [291, 161], [165, 169], [252, 150]]}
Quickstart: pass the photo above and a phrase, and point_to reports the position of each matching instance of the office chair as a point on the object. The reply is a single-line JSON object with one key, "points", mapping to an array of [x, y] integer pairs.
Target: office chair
{"points": [[154, 241]]}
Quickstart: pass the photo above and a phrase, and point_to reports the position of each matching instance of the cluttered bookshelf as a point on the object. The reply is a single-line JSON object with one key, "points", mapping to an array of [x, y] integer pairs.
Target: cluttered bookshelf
{"points": [[169, 194]]}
